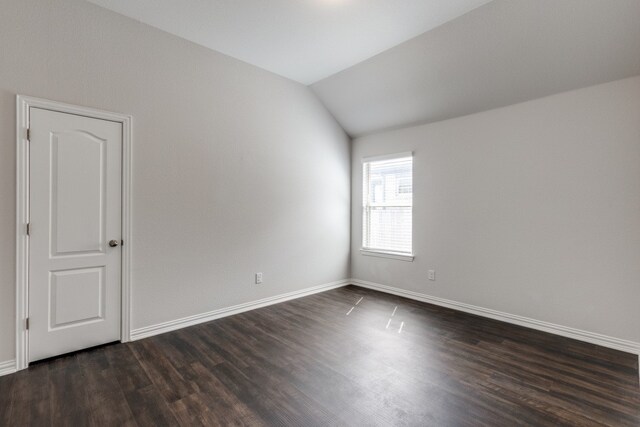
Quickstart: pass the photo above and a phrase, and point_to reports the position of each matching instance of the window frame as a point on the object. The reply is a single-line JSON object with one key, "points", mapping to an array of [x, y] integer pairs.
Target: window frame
{"points": [[383, 253]]}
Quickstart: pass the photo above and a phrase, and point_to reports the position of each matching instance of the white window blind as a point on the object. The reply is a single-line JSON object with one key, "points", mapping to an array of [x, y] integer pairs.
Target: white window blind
{"points": [[388, 204]]}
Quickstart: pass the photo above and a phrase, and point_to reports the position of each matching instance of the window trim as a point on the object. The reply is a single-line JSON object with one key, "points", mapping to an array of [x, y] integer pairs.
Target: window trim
{"points": [[381, 253], [387, 254], [387, 157]]}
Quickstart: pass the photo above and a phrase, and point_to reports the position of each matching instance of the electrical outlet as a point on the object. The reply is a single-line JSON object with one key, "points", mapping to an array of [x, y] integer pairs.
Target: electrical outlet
{"points": [[258, 278], [432, 275]]}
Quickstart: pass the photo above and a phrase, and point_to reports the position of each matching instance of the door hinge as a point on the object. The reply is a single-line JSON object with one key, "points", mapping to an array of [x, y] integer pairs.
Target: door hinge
{"points": [[28, 134], [28, 229], [27, 323]]}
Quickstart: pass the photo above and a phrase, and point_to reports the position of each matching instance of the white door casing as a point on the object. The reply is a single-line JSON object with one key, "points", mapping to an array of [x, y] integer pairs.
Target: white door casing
{"points": [[73, 190]]}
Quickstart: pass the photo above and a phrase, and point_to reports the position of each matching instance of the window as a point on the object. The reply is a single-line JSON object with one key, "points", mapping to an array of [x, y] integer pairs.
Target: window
{"points": [[388, 204]]}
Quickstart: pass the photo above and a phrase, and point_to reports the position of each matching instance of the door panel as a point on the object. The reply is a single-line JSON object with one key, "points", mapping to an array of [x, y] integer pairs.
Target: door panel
{"points": [[77, 186], [75, 209], [76, 296]]}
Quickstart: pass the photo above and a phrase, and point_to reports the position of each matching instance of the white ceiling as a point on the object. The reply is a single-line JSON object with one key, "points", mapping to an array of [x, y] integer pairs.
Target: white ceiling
{"points": [[304, 40], [502, 53]]}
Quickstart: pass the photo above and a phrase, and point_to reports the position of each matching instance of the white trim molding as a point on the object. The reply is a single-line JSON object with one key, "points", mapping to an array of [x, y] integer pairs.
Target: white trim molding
{"points": [[8, 367], [387, 157], [390, 255], [23, 106], [173, 325], [564, 331]]}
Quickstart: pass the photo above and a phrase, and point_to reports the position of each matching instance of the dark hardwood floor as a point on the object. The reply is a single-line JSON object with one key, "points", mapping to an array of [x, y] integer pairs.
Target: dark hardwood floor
{"points": [[389, 362]]}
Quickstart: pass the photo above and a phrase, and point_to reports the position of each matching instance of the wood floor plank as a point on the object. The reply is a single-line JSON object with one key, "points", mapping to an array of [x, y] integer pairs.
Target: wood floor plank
{"points": [[163, 374], [149, 407], [107, 404], [69, 403], [223, 407], [25, 397]]}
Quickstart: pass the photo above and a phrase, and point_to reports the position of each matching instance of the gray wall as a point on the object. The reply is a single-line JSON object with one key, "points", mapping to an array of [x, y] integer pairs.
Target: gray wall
{"points": [[531, 209], [236, 170]]}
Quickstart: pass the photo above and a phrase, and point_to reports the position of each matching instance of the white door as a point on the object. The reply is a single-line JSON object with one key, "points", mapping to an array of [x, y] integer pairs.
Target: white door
{"points": [[75, 232]]}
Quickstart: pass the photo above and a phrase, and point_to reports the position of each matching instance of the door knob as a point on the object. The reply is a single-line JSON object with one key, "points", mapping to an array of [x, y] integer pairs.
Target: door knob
{"points": [[114, 243]]}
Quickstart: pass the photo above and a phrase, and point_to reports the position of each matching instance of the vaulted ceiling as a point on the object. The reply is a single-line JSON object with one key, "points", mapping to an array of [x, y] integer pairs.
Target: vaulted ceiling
{"points": [[304, 40], [380, 64], [502, 53]]}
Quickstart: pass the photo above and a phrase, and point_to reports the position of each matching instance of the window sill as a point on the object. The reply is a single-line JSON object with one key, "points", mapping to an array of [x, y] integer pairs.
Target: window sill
{"points": [[391, 255]]}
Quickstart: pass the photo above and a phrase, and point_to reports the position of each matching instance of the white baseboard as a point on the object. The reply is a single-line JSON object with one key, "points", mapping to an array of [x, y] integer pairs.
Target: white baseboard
{"points": [[590, 337], [8, 367], [172, 325]]}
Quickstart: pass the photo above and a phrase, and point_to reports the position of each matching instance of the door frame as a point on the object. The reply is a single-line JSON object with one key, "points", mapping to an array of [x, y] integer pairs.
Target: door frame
{"points": [[23, 105]]}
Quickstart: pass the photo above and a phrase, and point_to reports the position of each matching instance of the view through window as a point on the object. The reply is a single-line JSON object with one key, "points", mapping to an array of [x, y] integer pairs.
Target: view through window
{"points": [[388, 204]]}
